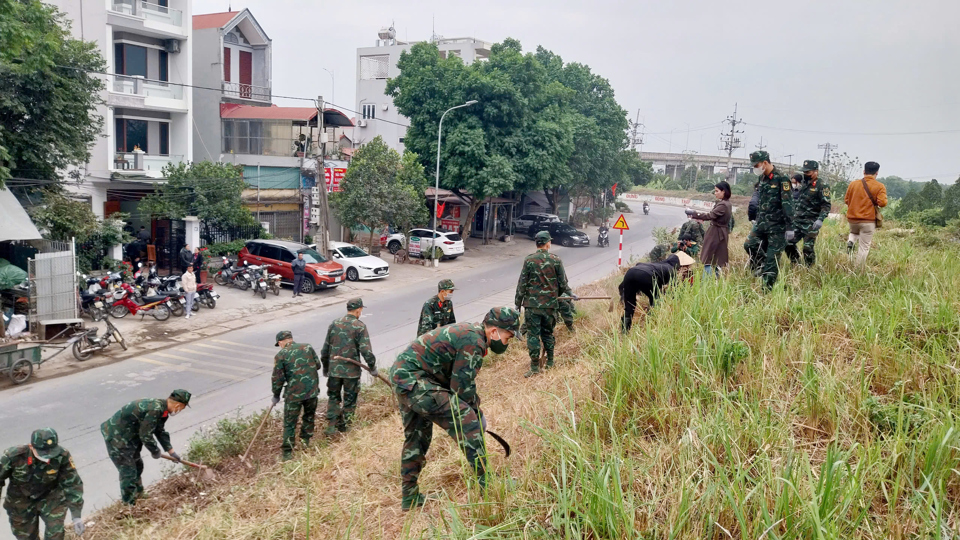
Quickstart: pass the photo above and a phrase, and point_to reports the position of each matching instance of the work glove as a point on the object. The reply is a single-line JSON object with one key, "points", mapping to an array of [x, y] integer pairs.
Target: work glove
{"points": [[274, 400], [817, 224], [78, 526], [575, 297], [175, 455], [789, 236], [689, 211], [155, 454], [374, 372]]}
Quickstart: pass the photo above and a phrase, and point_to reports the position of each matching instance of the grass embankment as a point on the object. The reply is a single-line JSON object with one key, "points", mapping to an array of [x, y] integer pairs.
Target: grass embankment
{"points": [[824, 409]]}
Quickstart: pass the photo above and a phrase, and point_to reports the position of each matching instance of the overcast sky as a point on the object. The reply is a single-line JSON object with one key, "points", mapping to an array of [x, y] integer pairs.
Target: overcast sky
{"points": [[867, 75]]}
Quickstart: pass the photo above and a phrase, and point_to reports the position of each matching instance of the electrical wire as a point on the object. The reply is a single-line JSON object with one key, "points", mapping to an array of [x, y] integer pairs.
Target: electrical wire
{"points": [[865, 134]]}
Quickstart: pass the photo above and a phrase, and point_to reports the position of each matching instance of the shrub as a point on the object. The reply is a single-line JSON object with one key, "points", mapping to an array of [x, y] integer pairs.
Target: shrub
{"points": [[229, 438], [225, 248]]}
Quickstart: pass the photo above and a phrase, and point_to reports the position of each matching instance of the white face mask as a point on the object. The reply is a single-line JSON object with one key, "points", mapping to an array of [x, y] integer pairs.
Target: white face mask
{"points": [[758, 170]]}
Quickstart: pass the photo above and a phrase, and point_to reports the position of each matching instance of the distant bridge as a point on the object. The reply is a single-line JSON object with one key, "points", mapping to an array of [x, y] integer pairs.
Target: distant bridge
{"points": [[673, 164]]}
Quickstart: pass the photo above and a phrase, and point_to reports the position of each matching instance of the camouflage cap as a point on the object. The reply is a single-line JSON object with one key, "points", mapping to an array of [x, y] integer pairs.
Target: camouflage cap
{"points": [[354, 303], [507, 318], [759, 156], [446, 285], [810, 165], [46, 443], [181, 396], [282, 335], [542, 238]]}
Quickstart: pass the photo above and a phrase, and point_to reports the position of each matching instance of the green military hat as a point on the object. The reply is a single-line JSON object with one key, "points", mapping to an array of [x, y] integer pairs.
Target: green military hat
{"points": [[354, 303], [46, 443], [810, 165], [446, 285], [507, 318], [542, 237], [181, 396], [759, 156], [282, 335]]}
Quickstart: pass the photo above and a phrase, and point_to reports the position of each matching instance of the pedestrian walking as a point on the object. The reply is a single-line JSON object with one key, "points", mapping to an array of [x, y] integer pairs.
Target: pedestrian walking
{"points": [[542, 281], [649, 279], [715, 255], [299, 267], [435, 383], [864, 198], [811, 208], [296, 367], [134, 426], [774, 224], [44, 484], [347, 337], [438, 310], [189, 283], [185, 257]]}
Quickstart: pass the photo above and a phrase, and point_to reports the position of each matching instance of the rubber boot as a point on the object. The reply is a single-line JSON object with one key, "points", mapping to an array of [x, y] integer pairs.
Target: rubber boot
{"points": [[533, 371], [330, 431], [850, 246], [287, 456], [571, 329]]}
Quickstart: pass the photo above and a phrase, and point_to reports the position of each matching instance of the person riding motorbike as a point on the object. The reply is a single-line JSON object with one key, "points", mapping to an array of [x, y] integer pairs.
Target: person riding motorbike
{"points": [[603, 234], [646, 208]]}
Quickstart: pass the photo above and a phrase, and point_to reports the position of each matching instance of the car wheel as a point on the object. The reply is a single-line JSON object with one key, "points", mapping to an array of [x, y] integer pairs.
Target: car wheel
{"points": [[565, 242], [308, 286], [394, 247], [352, 274], [452, 257]]}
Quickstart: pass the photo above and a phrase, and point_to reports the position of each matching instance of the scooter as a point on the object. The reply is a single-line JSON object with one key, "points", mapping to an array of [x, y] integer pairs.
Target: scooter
{"points": [[159, 307], [646, 209], [258, 279], [231, 275], [603, 239], [206, 296], [88, 342]]}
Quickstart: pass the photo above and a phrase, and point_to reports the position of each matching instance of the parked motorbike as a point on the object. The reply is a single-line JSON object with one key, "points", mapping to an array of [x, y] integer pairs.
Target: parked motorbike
{"points": [[92, 299], [206, 296], [88, 342], [603, 239], [257, 277], [231, 274], [159, 307], [646, 209], [273, 281]]}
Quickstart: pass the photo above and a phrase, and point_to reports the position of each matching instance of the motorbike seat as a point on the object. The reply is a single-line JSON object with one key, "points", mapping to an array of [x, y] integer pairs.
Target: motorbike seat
{"points": [[157, 298]]}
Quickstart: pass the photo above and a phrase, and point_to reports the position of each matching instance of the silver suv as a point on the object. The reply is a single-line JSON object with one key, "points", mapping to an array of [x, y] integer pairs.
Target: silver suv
{"points": [[528, 222]]}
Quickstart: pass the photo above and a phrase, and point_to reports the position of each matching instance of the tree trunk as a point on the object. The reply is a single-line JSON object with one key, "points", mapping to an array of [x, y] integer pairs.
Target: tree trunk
{"points": [[370, 247], [474, 206]]}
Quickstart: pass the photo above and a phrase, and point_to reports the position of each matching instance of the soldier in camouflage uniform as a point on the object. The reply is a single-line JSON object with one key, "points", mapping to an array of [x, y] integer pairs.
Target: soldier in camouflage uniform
{"points": [[774, 225], [435, 383], [542, 281], [44, 484], [297, 367], [346, 337], [438, 310], [134, 426], [660, 252], [692, 231], [811, 207]]}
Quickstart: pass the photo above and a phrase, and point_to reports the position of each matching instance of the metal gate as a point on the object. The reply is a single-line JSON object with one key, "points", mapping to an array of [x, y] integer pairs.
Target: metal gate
{"points": [[171, 236], [53, 283]]}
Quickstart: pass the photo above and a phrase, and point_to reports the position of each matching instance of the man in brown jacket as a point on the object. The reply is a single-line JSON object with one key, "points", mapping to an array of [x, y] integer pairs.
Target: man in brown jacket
{"points": [[861, 214]]}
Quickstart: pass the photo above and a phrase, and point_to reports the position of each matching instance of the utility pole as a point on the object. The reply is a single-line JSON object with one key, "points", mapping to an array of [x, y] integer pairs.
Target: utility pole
{"points": [[731, 142], [761, 146], [828, 149], [323, 244], [635, 139], [790, 165]]}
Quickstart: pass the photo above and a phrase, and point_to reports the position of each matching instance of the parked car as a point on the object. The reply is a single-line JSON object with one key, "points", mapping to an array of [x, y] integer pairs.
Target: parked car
{"points": [[450, 243], [392, 239], [278, 254], [358, 263], [563, 234], [526, 221]]}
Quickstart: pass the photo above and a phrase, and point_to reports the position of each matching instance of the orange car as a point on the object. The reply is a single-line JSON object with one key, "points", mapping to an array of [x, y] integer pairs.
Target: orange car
{"points": [[322, 273]]}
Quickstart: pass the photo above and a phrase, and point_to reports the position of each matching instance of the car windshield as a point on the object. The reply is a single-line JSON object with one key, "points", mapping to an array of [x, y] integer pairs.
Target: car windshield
{"points": [[453, 236], [352, 251], [312, 256], [564, 228]]}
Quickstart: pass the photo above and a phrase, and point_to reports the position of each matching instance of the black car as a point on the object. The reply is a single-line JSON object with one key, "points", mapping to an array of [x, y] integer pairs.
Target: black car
{"points": [[562, 234]]}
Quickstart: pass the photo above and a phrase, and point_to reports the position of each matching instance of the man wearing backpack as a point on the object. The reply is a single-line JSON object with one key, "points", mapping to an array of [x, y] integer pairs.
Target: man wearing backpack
{"points": [[864, 199]]}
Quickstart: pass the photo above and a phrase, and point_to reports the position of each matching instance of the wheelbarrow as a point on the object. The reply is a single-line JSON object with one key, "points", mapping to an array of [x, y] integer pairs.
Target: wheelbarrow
{"points": [[17, 360]]}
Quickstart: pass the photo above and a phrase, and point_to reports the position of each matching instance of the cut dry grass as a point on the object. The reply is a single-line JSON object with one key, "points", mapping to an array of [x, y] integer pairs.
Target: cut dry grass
{"points": [[824, 409]]}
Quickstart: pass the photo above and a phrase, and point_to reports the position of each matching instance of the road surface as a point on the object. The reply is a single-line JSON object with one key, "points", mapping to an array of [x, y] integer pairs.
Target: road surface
{"points": [[232, 371]]}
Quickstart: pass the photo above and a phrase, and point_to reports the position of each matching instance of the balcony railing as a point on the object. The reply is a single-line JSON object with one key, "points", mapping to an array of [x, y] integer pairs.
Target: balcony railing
{"points": [[148, 10], [267, 146], [141, 161], [246, 91], [139, 86]]}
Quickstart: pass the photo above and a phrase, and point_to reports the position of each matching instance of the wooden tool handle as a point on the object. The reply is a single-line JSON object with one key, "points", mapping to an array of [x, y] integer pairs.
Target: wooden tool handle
{"points": [[354, 362]]}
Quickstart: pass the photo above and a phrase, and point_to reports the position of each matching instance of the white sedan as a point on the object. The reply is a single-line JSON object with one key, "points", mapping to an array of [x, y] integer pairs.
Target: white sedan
{"points": [[357, 263]]}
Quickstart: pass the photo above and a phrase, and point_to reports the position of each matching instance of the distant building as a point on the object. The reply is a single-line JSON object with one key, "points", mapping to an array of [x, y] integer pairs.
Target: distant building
{"points": [[377, 114]]}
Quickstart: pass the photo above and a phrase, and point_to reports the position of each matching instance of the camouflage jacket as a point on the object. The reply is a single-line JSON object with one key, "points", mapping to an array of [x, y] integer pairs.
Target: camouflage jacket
{"points": [[448, 357], [346, 337], [138, 422], [296, 366], [435, 314], [542, 280], [31, 478], [775, 207], [812, 203], [691, 230]]}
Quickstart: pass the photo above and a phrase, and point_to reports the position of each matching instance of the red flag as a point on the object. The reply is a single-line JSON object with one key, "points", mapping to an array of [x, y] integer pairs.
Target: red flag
{"points": [[440, 209], [615, 190]]}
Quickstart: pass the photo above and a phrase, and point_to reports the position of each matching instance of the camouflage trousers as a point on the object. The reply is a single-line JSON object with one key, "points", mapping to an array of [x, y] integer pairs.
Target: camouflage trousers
{"points": [[291, 413], [25, 515], [538, 326], [764, 247], [340, 410], [126, 458], [567, 311], [809, 243], [424, 406]]}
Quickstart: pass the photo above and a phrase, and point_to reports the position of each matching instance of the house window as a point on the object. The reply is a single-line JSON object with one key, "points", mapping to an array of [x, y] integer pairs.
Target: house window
{"points": [[164, 66], [401, 140], [226, 64], [374, 67], [164, 138], [130, 59], [369, 111], [131, 134]]}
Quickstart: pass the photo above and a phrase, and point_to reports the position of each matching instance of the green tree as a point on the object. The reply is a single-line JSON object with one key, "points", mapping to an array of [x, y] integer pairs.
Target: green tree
{"points": [[62, 218], [48, 97], [951, 202], [409, 204], [207, 190], [931, 194], [637, 171]]}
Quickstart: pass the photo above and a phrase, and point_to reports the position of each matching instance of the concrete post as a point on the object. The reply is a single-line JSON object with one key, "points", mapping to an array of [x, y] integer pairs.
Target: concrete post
{"points": [[192, 231]]}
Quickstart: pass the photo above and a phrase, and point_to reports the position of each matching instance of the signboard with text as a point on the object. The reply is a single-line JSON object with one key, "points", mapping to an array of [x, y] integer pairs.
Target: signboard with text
{"points": [[333, 176], [413, 247]]}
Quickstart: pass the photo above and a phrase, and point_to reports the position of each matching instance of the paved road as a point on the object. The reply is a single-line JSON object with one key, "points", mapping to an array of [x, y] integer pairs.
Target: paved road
{"points": [[232, 370]]}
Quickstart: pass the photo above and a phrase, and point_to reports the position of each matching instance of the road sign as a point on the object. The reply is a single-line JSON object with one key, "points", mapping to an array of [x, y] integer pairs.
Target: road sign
{"points": [[621, 224]]}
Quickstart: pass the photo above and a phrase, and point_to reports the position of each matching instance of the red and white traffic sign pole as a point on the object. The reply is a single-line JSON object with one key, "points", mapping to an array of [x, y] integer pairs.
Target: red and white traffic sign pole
{"points": [[621, 225]]}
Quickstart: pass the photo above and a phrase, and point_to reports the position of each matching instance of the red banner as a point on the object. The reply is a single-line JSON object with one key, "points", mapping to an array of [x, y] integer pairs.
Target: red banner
{"points": [[333, 177]]}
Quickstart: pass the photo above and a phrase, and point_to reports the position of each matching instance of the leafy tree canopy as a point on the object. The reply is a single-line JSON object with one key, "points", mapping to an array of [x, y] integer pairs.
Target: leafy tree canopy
{"points": [[210, 191]]}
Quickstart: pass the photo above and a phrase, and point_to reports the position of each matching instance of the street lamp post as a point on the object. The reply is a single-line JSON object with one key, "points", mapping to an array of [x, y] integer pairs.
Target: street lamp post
{"points": [[333, 85], [436, 188]]}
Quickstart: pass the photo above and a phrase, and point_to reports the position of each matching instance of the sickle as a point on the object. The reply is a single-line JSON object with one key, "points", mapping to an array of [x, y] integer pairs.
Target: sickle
{"points": [[502, 441]]}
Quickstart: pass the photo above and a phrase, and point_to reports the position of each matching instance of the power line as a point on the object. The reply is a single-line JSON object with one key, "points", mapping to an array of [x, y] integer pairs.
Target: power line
{"points": [[879, 134]]}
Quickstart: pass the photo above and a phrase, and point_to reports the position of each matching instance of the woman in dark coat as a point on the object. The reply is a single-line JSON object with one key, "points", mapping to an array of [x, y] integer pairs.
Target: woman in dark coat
{"points": [[714, 253]]}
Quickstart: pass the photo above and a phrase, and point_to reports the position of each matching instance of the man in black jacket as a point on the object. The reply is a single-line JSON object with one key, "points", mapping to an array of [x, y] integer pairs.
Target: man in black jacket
{"points": [[649, 279], [299, 267], [186, 258]]}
